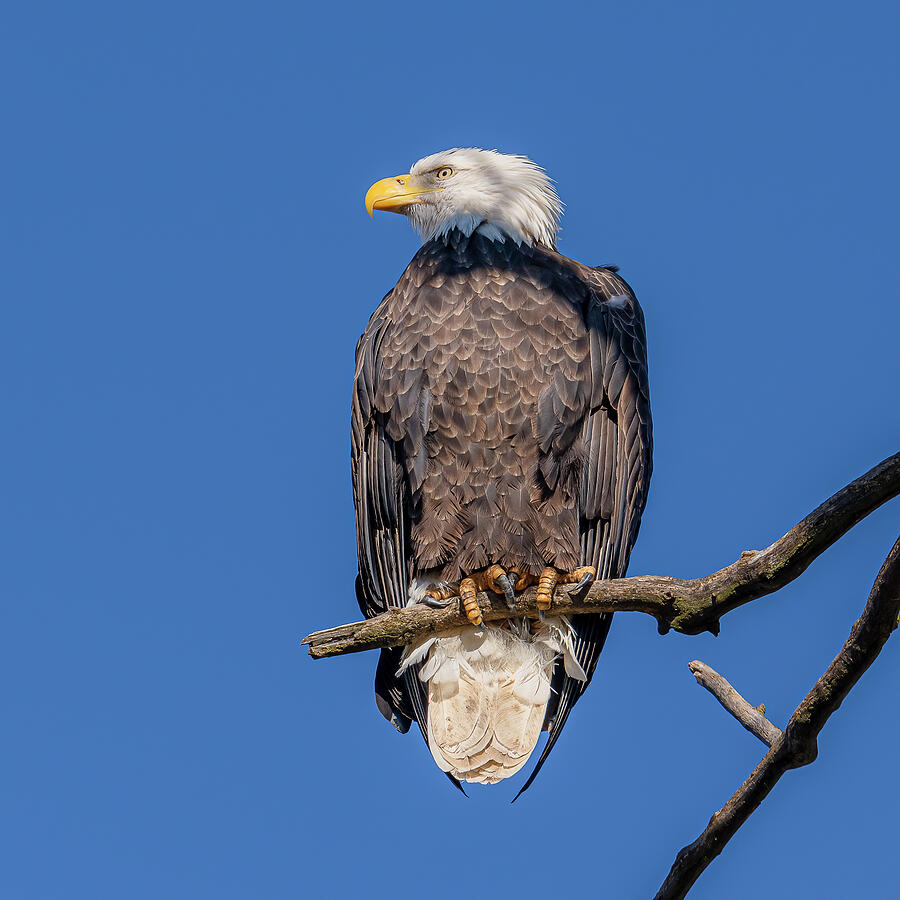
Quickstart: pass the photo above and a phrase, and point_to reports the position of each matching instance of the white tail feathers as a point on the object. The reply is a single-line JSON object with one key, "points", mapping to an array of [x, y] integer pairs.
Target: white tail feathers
{"points": [[488, 690]]}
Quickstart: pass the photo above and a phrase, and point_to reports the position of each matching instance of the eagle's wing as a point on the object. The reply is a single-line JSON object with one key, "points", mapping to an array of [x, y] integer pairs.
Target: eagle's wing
{"points": [[618, 443], [381, 499], [387, 434]]}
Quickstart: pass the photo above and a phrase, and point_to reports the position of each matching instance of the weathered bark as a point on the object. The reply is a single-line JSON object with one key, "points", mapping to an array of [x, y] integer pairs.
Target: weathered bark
{"points": [[690, 606], [751, 717], [797, 745]]}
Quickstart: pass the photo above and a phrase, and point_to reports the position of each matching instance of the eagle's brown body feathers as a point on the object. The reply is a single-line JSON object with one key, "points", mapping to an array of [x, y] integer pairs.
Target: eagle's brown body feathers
{"points": [[500, 415]]}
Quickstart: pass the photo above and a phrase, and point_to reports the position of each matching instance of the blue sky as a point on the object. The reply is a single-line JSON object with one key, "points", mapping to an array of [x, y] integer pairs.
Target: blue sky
{"points": [[187, 265]]}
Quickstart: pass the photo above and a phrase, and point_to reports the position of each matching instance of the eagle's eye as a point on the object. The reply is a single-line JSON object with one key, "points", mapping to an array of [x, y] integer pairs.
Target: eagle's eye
{"points": [[444, 172]]}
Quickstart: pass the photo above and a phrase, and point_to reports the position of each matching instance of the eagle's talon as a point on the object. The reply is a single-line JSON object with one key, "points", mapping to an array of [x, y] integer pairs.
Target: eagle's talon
{"points": [[582, 584], [586, 579], [508, 593], [497, 579], [438, 596], [551, 577], [523, 579]]}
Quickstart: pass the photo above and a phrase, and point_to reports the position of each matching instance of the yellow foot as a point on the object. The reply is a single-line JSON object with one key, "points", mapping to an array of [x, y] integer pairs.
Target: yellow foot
{"points": [[438, 596], [494, 578], [546, 584], [551, 577], [504, 582], [468, 593]]}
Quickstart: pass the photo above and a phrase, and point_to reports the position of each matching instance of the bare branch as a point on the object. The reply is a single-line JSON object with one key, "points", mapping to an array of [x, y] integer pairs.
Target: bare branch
{"points": [[751, 717], [797, 746], [689, 606]]}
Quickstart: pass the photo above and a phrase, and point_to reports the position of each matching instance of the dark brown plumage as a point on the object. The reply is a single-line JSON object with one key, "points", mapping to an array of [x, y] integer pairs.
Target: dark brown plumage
{"points": [[500, 415]]}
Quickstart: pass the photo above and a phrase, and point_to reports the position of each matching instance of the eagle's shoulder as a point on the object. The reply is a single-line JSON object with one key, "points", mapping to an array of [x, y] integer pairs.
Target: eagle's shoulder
{"points": [[600, 286], [611, 288]]}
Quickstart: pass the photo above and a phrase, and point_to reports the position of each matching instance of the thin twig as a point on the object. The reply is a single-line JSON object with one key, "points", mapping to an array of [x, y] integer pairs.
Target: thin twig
{"points": [[751, 717], [689, 606], [797, 746]]}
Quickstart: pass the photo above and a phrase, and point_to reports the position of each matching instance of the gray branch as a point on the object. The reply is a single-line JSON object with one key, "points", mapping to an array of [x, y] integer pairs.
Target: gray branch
{"points": [[797, 745], [690, 606], [751, 717]]}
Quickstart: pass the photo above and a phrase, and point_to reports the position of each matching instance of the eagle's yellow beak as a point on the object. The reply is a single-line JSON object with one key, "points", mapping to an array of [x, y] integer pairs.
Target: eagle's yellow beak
{"points": [[394, 194]]}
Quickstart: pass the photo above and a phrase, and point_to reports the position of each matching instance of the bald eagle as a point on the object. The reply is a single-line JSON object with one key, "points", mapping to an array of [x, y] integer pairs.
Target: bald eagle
{"points": [[501, 437]]}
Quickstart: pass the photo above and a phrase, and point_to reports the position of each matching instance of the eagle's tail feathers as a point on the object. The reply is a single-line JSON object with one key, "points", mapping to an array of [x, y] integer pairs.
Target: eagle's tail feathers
{"points": [[488, 690]]}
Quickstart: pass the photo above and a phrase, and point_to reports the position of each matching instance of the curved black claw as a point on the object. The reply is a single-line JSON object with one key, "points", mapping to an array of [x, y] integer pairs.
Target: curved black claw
{"points": [[582, 584], [508, 593], [438, 596]]}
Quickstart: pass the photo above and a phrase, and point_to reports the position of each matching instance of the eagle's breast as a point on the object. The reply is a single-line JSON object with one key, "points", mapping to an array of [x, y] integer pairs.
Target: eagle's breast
{"points": [[485, 390]]}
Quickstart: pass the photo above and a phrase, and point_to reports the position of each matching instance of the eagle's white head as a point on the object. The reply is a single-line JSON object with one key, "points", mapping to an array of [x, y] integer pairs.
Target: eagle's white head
{"points": [[499, 195]]}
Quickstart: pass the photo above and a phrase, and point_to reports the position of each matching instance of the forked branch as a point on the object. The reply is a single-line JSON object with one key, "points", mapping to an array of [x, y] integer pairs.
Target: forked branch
{"points": [[797, 745]]}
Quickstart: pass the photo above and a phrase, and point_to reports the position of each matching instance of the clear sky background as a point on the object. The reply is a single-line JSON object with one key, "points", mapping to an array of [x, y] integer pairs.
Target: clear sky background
{"points": [[186, 266]]}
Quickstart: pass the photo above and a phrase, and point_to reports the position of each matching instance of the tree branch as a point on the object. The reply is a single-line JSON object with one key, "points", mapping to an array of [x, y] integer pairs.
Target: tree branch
{"points": [[797, 745], [690, 606], [751, 717]]}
